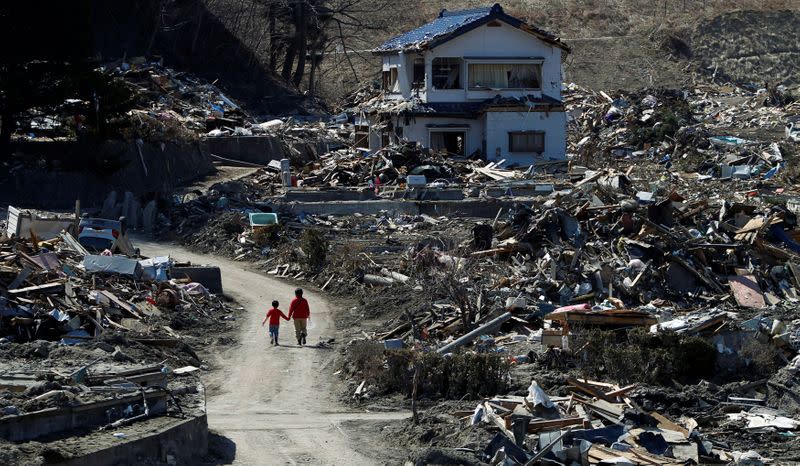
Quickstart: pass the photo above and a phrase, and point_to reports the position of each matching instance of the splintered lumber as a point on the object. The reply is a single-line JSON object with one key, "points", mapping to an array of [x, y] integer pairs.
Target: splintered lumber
{"points": [[550, 424], [590, 389], [666, 424], [621, 391], [485, 328], [122, 304], [498, 421], [51, 287]]}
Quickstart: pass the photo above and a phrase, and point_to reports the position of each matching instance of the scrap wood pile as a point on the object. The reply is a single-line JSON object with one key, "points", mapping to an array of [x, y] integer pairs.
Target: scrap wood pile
{"points": [[93, 320], [608, 254], [715, 131], [391, 166], [601, 423], [163, 94], [141, 99]]}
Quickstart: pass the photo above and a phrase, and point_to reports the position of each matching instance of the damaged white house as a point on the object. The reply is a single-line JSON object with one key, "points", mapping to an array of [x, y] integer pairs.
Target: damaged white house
{"points": [[471, 82]]}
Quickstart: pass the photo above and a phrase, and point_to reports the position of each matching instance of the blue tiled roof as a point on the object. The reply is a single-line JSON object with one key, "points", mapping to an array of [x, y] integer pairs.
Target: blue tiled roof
{"points": [[450, 24], [447, 22]]}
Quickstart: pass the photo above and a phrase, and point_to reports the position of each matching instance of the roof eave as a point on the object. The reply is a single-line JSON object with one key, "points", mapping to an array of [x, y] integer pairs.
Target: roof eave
{"points": [[508, 19]]}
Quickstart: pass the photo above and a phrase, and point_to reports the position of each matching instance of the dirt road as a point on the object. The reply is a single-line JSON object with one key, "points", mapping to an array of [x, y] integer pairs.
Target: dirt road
{"points": [[275, 403]]}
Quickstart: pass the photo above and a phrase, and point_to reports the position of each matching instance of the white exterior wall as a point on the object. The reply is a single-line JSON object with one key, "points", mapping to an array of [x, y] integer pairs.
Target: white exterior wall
{"points": [[495, 42], [405, 70], [499, 124], [418, 131], [490, 42]]}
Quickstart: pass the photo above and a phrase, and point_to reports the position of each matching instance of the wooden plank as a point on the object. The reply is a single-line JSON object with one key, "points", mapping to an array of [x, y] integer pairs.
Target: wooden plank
{"points": [[46, 288], [128, 307], [550, 424], [666, 424], [587, 388], [746, 291], [498, 421], [621, 391]]}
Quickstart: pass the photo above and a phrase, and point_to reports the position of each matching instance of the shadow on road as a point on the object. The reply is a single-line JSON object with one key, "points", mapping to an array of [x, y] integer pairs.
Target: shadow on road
{"points": [[221, 450]]}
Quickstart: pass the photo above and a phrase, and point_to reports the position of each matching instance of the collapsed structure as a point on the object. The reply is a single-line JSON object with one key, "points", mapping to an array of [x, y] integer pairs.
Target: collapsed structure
{"points": [[470, 82], [98, 350]]}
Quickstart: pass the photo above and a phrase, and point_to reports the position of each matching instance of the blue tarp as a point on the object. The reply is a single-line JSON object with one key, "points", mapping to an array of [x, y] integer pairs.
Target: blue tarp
{"points": [[75, 341]]}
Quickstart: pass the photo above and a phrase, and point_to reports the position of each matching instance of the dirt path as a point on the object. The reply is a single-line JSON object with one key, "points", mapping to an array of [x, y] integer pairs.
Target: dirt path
{"points": [[276, 404]]}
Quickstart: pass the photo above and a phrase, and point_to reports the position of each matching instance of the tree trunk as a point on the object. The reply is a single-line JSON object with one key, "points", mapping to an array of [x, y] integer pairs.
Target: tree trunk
{"points": [[301, 28], [291, 48], [288, 62], [312, 74], [273, 37], [6, 129]]}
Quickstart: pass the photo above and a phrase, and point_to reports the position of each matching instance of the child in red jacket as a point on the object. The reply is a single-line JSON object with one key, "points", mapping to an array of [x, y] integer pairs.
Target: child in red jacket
{"points": [[274, 315]]}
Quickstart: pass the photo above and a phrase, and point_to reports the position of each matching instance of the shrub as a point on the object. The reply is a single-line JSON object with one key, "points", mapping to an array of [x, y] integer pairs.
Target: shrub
{"points": [[446, 376], [315, 247], [638, 356]]}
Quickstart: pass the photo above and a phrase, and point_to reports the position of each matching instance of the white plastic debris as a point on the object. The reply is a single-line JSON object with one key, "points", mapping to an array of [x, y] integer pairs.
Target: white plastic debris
{"points": [[537, 396]]}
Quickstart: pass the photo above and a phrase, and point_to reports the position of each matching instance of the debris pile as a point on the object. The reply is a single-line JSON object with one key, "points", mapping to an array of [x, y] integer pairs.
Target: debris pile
{"points": [[175, 98], [661, 263], [715, 131], [107, 336], [600, 423], [142, 99]]}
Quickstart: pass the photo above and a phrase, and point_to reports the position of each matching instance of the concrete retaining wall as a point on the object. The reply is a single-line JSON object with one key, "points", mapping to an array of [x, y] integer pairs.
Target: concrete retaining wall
{"points": [[90, 171], [480, 208], [260, 149], [185, 442]]}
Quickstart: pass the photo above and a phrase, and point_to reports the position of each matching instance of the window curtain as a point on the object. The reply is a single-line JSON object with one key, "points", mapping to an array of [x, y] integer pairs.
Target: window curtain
{"points": [[488, 75], [437, 141], [502, 76], [524, 76]]}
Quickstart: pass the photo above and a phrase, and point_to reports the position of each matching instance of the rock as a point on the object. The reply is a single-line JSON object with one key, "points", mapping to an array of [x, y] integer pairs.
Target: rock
{"points": [[41, 349], [9, 411], [41, 387], [119, 356], [104, 346]]}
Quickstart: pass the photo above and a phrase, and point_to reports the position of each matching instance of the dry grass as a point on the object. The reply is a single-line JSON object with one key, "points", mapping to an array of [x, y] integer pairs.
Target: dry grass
{"points": [[569, 19]]}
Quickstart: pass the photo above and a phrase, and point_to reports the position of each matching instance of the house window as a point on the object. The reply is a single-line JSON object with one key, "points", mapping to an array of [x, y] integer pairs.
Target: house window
{"points": [[505, 76], [362, 136], [526, 141], [446, 73], [419, 73], [390, 80], [452, 142]]}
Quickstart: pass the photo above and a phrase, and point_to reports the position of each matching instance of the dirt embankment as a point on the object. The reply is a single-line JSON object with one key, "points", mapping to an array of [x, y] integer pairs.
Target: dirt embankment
{"points": [[749, 46], [744, 47]]}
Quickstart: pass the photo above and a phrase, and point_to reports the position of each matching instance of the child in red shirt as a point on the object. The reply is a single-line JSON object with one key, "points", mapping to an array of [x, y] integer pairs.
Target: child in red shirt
{"points": [[274, 315]]}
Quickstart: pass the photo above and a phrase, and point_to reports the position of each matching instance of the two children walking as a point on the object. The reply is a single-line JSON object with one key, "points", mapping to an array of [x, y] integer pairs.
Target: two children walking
{"points": [[298, 310]]}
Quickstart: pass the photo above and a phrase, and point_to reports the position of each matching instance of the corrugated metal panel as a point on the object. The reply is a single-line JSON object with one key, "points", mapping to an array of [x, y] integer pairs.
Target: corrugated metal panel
{"points": [[12, 220]]}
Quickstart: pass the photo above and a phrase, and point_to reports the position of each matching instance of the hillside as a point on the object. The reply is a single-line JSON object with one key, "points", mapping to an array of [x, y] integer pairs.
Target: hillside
{"points": [[624, 44]]}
